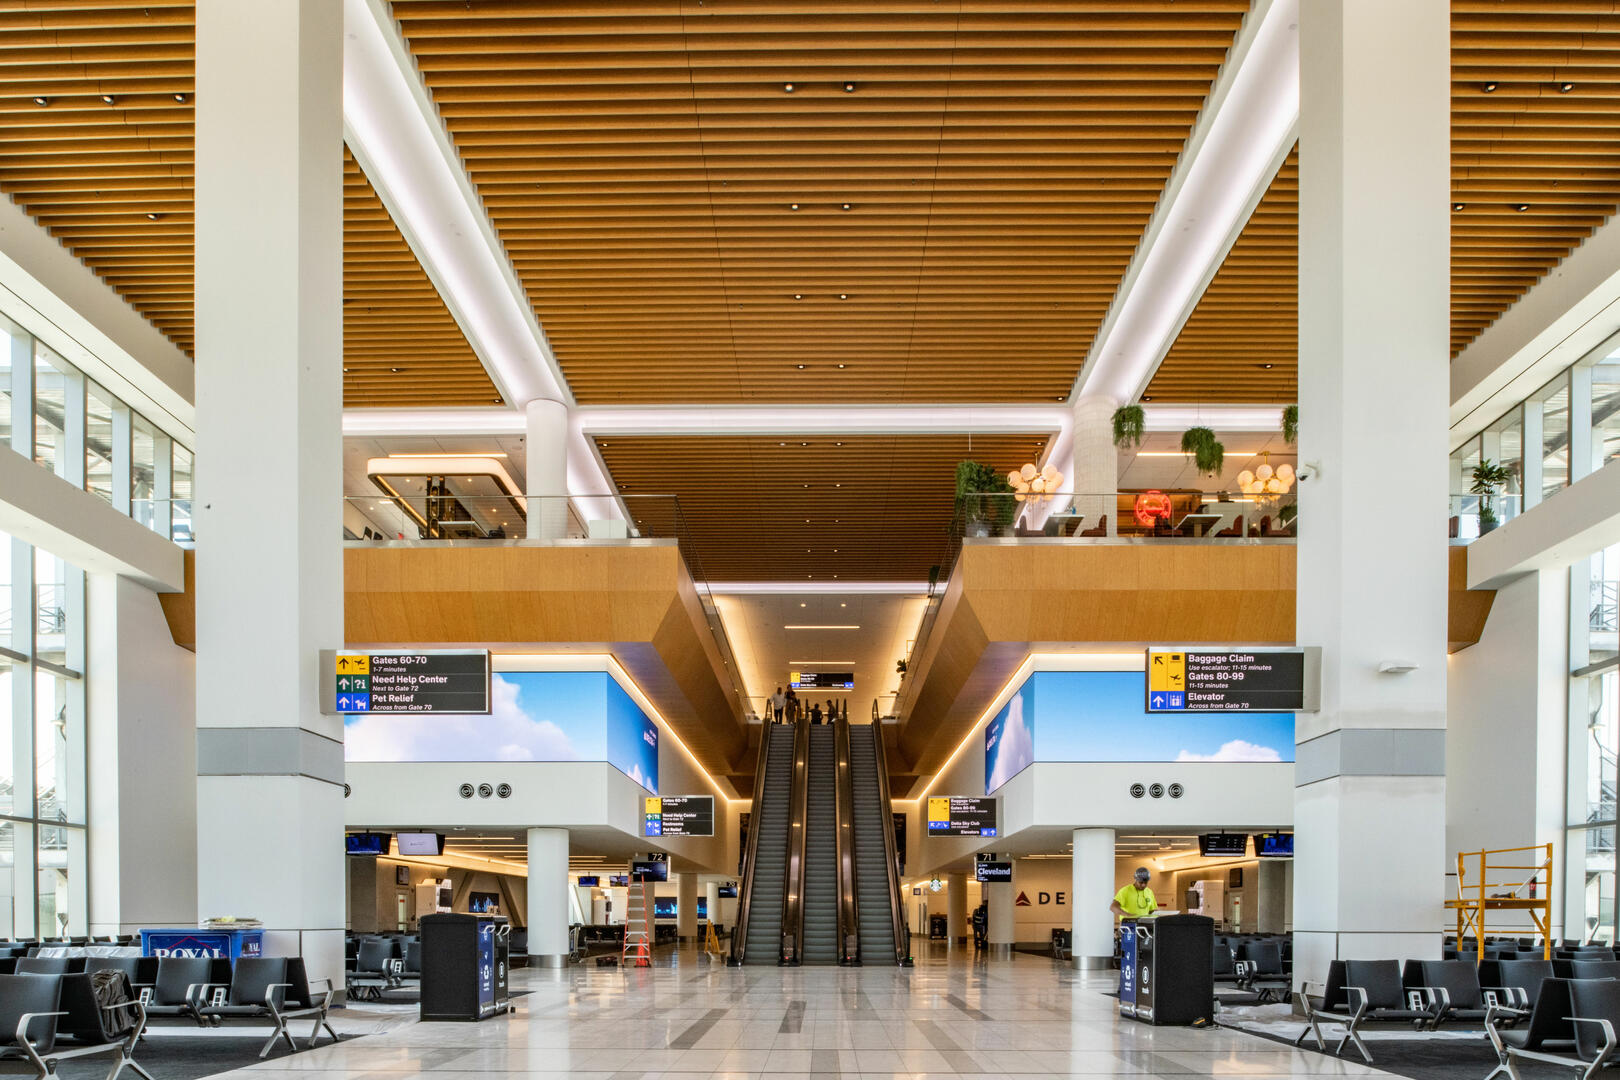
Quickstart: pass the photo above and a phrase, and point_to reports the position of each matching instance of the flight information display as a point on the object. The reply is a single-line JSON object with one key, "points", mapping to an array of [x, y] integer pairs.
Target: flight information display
{"points": [[961, 815]]}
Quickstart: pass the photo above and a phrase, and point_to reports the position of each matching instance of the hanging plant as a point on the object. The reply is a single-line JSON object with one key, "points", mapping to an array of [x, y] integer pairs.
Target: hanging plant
{"points": [[1204, 448], [1291, 424], [1128, 423]]}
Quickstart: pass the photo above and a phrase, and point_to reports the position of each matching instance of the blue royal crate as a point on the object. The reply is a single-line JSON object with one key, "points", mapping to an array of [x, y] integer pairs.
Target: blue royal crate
{"points": [[233, 944]]}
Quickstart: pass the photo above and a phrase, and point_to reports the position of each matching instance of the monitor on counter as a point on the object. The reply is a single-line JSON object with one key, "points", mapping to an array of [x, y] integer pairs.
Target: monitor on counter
{"points": [[1222, 845], [420, 843], [366, 843]]}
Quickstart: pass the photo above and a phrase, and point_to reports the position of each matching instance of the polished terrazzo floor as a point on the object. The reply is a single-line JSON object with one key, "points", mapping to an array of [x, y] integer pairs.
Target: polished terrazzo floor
{"points": [[947, 1017]]}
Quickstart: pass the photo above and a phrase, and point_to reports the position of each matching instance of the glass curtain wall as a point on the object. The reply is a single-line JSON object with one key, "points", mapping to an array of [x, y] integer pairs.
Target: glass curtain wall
{"points": [[43, 884], [53, 414]]}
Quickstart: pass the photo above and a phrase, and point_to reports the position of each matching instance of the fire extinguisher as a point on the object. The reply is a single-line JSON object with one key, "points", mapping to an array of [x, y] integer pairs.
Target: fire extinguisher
{"points": [[1532, 887]]}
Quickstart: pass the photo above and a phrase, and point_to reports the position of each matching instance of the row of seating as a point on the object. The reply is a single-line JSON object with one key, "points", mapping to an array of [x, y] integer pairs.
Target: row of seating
{"points": [[38, 1010], [1261, 966]]}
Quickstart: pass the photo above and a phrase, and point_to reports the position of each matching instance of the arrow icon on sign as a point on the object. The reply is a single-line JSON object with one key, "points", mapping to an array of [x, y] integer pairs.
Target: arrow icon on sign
{"points": [[343, 702], [343, 683], [343, 664], [1158, 701]]}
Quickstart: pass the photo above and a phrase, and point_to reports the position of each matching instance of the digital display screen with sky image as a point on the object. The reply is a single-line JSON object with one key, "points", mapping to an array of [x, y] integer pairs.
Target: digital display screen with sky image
{"points": [[1097, 716], [534, 716]]}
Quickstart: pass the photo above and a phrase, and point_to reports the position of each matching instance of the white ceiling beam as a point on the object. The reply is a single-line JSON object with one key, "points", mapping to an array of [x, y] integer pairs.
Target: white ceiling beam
{"points": [[1243, 134], [396, 134], [1564, 316]]}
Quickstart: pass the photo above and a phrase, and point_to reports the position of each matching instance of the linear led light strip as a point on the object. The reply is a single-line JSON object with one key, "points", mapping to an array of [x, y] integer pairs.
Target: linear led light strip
{"points": [[1248, 124]]}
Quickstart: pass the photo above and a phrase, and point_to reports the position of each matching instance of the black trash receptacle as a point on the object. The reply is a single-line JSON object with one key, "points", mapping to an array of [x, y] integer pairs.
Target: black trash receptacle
{"points": [[464, 966], [1176, 974]]}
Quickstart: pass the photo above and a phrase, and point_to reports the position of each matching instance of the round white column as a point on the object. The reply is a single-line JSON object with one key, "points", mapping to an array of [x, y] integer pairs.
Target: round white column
{"points": [[711, 898], [548, 897], [1090, 892], [956, 917], [686, 906], [1000, 933], [1094, 470], [545, 445]]}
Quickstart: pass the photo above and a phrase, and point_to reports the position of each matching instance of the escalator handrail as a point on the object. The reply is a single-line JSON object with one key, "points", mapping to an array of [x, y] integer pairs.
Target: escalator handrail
{"points": [[902, 946], [739, 931], [799, 811], [849, 924]]}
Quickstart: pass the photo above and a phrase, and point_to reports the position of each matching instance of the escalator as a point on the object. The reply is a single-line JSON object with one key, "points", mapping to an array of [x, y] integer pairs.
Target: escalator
{"points": [[821, 875], [881, 924], [765, 911]]}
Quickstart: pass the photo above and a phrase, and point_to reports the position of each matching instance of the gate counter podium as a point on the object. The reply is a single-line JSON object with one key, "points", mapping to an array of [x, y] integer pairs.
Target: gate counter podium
{"points": [[465, 959]]}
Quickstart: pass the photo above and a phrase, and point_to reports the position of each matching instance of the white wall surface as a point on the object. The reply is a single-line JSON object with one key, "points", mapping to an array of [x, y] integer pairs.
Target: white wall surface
{"points": [[142, 743]]}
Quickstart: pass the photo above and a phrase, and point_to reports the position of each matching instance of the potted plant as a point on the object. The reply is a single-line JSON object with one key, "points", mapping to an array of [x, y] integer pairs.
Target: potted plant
{"points": [[984, 498], [900, 667], [1205, 449], [1128, 425], [1290, 419], [1488, 480]]}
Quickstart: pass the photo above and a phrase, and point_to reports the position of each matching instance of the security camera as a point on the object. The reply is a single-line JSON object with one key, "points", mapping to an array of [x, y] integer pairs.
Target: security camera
{"points": [[1306, 471]]}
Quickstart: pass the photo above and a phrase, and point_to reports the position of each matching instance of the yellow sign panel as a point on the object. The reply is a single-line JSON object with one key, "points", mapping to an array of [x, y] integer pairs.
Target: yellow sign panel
{"points": [[939, 809], [351, 664], [1167, 671], [655, 805]]}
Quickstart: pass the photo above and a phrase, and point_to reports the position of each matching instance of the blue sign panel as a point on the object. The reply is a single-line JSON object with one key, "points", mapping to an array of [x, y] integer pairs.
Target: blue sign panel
{"points": [[234, 944], [1127, 968], [486, 968]]}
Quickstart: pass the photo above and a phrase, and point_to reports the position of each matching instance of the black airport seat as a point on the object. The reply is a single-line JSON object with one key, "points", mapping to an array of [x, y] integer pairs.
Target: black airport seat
{"points": [[1548, 1036], [180, 986], [1596, 1016], [1225, 969], [30, 1006], [95, 1028], [276, 989], [373, 969], [1451, 990], [1594, 969], [1517, 983], [1261, 970], [1358, 993], [411, 969]]}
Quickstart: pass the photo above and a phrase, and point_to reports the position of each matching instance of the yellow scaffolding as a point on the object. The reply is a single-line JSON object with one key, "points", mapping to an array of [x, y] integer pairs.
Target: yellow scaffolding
{"points": [[1477, 893]]}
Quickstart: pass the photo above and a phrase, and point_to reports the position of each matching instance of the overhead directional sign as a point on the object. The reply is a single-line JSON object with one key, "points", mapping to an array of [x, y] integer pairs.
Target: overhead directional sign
{"points": [[429, 681], [821, 680], [958, 815], [679, 815], [1234, 680]]}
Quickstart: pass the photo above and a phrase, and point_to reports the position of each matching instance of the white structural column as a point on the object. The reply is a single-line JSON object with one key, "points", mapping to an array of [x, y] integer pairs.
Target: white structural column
{"points": [[545, 445], [1370, 809], [269, 585], [1000, 929], [686, 906], [956, 913], [548, 897], [1094, 474], [711, 897], [1091, 890]]}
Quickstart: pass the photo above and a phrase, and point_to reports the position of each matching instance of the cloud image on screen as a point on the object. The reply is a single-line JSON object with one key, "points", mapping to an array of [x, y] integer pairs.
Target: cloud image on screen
{"points": [[1236, 750], [534, 716], [1009, 740], [632, 739]]}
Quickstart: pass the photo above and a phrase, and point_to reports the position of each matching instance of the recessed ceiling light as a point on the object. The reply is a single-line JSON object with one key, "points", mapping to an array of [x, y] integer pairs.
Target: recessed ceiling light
{"points": [[798, 296], [843, 296], [42, 101], [801, 602], [1488, 88], [1565, 87], [180, 98], [843, 605], [1146, 397], [1265, 367], [395, 370], [838, 485], [1063, 397], [154, 217], [346, 371], [847, 206], [849, 88], [793, 206], [1457, 206], [801, 367], [1521, 207], [787, 88], [838, 444], [804, 444], [781, 444], [108, 99], [840, 367]]}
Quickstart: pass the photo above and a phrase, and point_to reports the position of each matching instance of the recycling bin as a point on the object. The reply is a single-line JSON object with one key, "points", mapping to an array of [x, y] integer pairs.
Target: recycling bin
{"points": [[465, 959], [1175, 971], [1132, 934]]}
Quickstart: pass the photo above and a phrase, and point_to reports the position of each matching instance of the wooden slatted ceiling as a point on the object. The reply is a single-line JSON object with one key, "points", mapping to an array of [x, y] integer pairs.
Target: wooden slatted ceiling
{"points": [[114, 182], [1526, 143], [1244, 333], [401, 346], [639, 160], [864, 508]]}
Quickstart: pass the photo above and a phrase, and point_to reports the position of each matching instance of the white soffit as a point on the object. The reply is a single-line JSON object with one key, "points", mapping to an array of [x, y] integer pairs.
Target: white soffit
{"points": [[395, 133], [1243, 134], [1564, 316]]}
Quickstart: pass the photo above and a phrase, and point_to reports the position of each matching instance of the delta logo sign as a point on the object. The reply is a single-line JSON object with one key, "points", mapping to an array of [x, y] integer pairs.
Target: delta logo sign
{"points": [[1043, 897]]}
